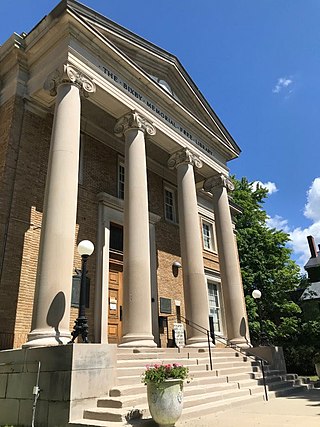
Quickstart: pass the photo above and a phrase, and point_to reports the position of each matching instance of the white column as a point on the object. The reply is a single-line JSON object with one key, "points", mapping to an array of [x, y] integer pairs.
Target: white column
{"points": [[51, 311], [194, 281], [232, 289], [137, 323]]}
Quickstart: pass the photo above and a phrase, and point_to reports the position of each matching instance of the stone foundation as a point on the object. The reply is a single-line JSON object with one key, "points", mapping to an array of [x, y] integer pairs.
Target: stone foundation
{"points": [[273, 355], [71, 378]]}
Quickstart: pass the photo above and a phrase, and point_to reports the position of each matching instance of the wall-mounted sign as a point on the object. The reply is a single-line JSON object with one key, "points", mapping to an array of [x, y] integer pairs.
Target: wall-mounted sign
{"points": [[117, 80]]}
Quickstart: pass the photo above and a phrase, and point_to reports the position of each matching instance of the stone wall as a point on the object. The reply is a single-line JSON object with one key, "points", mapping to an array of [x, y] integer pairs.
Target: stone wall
{"points": [[67, 380]]}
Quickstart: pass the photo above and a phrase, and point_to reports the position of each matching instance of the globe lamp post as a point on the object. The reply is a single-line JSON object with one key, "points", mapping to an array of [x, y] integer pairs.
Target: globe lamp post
{"points": [[85, 249], [256, 294]]}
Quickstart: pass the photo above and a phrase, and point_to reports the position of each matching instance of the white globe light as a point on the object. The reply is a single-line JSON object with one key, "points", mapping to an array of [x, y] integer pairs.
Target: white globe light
{"points": [[256, 294], [85, 247]]}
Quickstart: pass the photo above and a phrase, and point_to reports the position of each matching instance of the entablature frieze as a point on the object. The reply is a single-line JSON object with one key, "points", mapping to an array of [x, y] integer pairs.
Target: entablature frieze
{"points": [[117, 100], [118, 92]]}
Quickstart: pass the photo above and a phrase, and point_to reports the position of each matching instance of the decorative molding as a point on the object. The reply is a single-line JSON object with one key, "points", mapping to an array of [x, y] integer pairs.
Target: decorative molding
{"points": [[218, 181], [133, 120], [71, 75], [117, 204], [184, 156]]}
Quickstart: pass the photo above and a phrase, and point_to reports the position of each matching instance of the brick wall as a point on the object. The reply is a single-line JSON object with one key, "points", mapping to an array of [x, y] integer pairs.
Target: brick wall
{"points": [[29, 169]]}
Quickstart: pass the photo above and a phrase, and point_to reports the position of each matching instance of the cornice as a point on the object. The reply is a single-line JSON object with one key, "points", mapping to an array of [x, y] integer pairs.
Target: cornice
{"points": [[106, 25], [63, 27]]}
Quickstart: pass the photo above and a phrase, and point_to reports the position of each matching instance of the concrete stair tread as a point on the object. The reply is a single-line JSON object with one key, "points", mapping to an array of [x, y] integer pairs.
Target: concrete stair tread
{"points": [[189, 401], [134, 364], [194, 390], [187, 410], [244, 367], [235, 379], [150, 358], [127, 389]]}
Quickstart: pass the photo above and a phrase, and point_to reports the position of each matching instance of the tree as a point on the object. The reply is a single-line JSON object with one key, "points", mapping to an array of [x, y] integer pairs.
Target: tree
{"points": [[266, 265]]}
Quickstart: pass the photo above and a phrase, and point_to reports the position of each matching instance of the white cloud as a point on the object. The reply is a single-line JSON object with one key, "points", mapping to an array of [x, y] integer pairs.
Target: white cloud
{"points": [[270, 186], [298, 236], [279, 223], [282, 83], [312, 208]]}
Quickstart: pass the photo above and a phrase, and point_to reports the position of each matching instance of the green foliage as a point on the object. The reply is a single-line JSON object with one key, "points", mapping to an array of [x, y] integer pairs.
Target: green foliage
{"points": [[300, 359], [159, 373], [266, 265]]}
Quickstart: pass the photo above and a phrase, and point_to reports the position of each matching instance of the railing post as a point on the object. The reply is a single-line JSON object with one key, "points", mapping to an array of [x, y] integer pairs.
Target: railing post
{"points": [[264, 380], [210, 358]]}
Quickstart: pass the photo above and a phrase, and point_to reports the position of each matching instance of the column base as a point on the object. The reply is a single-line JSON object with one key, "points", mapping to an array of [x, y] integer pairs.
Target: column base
{"points": [[241, 342], [130, 340], [198, 342], [45, 338]]}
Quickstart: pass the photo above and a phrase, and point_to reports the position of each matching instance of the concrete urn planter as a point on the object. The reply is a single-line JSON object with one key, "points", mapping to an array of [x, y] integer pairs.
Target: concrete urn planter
{"points": [[165, 401]]}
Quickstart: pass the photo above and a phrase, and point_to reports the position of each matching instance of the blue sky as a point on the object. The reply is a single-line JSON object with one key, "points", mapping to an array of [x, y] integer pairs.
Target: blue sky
{"points": [[258, 65]]}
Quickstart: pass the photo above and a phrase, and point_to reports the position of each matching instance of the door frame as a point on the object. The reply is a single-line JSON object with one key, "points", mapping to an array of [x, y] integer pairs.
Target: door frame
{"points": [[110, 210]]}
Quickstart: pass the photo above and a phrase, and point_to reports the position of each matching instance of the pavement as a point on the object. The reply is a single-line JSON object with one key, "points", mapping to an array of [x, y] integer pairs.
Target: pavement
{"points": [[301, 409]]}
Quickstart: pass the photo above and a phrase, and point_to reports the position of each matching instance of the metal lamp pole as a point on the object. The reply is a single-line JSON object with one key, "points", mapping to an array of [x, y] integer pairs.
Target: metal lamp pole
{"points": [[256, 294], [85, 249]]}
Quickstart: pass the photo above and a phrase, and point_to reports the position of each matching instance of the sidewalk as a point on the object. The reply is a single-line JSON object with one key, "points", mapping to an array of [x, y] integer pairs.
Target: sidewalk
{"points": [[297, 410]]}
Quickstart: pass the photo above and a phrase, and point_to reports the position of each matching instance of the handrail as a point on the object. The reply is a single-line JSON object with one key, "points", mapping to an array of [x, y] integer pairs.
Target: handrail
{"points": [[201, 329], [227, 343], [245, 352]]}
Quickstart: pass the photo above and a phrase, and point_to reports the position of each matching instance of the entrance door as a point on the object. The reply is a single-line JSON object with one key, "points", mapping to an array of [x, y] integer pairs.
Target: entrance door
{"points": [[115, 303]]}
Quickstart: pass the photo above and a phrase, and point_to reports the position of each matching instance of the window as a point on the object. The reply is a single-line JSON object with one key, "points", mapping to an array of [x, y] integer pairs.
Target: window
{"points": [[121, 179], [116, 237], [170, 205], [214, 306], [207, 236]]}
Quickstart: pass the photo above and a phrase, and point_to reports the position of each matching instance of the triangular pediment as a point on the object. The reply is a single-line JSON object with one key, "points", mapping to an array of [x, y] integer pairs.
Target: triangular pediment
{"points": [[162, 67]]}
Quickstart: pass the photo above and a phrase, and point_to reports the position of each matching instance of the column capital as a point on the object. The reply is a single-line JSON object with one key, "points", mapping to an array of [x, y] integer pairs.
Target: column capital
{"points": [[218, 181], [184, 156], [71, 75], [133, 120]]}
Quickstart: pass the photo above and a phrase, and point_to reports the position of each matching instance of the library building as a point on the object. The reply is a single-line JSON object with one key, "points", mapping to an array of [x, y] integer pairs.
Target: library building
{"points": [[105, 138]]}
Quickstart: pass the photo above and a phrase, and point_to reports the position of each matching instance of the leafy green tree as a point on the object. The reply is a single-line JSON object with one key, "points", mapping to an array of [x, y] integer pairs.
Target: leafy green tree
{"points": [[265, 265]]}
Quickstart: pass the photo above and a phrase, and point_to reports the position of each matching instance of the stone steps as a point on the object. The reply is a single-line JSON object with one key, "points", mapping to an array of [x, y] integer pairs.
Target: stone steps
{"points": [[190, 404], [142, 363], [199, 368], [235, 379]]}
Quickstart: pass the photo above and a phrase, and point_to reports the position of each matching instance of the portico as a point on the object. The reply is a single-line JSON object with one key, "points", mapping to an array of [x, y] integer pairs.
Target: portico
{"points": [[135, 127], [134, 108]]}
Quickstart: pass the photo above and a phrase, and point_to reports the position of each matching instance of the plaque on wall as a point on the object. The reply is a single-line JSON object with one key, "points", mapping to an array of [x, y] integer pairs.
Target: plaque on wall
{"points": [[75, 295], [165, 305]]}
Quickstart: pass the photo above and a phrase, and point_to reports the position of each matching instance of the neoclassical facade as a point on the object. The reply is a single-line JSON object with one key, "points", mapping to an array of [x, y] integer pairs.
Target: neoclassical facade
{"points": [[105, 137]]}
